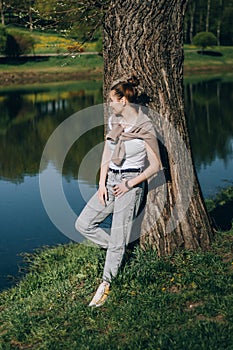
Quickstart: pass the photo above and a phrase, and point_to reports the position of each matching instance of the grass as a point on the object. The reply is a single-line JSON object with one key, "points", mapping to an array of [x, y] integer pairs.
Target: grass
{"points": [[194, 61], [84, 66], [178, 302], [52, 70], [52, 42], [54, 64], [224, 196], [64, 66], [56, 44]]}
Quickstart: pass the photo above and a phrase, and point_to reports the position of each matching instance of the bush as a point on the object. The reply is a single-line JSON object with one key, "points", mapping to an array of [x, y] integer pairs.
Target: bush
{"points": [[75, 48], [3, 38], [18, 44], [204, 39]]}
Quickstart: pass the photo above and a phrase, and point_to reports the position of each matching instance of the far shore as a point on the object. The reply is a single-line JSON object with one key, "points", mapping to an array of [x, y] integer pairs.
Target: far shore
{"points": [[26, 77], [54, 68], [45, 67]]}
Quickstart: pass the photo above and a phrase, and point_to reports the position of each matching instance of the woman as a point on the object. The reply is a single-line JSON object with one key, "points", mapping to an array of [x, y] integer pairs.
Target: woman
{"points": [[129, 143]]}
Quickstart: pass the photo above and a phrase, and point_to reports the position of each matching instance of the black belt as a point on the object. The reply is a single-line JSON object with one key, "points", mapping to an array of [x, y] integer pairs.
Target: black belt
{"points": [[119, 171]]}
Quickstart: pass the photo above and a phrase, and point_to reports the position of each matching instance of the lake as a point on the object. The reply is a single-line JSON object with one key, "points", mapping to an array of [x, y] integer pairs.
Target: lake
{"points": [[29, 115]]}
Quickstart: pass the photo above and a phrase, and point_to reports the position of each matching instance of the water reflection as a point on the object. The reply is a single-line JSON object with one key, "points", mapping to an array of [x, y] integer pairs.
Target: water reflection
{"points": [[209, 110], [29, 116], [27, 119]]}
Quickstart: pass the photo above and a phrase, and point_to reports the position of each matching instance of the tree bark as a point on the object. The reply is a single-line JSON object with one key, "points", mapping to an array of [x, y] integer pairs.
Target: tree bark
{"points": [[145, 38], [30, 17]]}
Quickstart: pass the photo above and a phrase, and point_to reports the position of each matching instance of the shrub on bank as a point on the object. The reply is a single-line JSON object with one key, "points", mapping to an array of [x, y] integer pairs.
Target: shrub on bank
{"points": [[75, 48], [14, 43], [204, 39], [18, 44]]}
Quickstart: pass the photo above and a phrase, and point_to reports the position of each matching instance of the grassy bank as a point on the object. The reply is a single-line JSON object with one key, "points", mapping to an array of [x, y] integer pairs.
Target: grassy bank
{"points": [[53, 69], [180, 302], [68, 67], [194, 62], [52, 42]]}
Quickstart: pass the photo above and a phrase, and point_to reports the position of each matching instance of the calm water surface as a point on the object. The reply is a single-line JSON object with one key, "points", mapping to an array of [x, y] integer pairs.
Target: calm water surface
{"points": [[28, 117]]}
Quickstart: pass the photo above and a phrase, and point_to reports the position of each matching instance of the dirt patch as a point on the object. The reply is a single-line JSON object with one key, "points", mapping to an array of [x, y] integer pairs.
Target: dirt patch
{"points": [[192, 305], [25, 78], [218, 318]]}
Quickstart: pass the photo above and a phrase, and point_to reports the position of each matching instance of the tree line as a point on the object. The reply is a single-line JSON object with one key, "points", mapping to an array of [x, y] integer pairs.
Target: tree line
{"points": [[82, 19], [209, 16]]}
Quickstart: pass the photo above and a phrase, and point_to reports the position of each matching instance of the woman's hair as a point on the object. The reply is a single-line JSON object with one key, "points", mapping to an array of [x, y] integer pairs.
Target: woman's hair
{"points": [[127, 89]]}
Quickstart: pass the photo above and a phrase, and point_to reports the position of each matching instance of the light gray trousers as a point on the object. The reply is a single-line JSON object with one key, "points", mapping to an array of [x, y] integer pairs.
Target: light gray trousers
{"points": [[124, 210]]}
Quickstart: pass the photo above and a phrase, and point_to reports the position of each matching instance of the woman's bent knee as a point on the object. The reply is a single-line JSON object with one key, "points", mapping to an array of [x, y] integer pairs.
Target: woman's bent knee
{"points": [[80, 226]]}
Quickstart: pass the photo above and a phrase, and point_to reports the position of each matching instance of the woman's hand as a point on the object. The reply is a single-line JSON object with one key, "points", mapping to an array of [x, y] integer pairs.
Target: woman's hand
{"points": [[120, 189], [102, 194]]}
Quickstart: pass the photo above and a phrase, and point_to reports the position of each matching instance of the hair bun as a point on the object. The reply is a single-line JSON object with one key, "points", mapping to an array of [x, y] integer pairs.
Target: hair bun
{"points": [[133, 81]]}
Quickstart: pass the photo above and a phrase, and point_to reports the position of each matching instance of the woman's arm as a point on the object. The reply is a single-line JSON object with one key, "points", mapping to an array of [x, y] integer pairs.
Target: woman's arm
{"points": [[153, 168], [102, 191]]}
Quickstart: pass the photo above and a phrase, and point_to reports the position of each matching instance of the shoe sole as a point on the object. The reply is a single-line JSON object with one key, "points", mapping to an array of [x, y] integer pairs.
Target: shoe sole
{"points": [[101, 301]]}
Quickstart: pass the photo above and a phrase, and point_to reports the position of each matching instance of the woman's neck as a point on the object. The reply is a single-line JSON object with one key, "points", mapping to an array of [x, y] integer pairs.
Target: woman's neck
{"points": [[129, 115]]}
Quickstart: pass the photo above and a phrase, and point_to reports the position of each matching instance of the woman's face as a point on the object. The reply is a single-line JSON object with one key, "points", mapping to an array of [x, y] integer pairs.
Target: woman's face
{"points": [[116, 104]]}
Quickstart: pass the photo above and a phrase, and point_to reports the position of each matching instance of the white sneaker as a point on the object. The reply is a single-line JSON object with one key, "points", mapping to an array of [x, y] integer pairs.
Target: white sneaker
{"points": [[101, 294]]}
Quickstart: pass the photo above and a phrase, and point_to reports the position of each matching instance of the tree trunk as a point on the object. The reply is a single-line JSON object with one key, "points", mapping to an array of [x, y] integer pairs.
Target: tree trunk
{"points": [[30, 18], [219, 23], [2, 12], [208, 16], [145, 38], [192, 17]]}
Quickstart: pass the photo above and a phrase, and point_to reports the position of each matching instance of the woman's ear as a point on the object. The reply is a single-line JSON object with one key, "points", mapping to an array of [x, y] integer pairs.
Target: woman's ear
{"points": [[123, 101]]}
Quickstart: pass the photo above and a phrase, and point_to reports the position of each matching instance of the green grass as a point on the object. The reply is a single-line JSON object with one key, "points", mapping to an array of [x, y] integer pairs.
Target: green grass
{"points": [[55, 43], [193, 60], [55, 69], [179, 302], [89, 64], [224, 196], [55, 64], [52, 42]]}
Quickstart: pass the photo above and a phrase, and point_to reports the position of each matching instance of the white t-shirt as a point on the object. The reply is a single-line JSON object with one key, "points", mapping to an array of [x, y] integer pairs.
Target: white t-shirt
{"points": [[135, 153]]}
